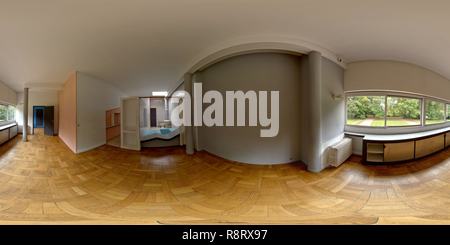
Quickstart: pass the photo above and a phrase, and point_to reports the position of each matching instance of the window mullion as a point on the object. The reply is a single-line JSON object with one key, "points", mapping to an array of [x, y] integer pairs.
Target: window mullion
{"points": [[385, 111]]}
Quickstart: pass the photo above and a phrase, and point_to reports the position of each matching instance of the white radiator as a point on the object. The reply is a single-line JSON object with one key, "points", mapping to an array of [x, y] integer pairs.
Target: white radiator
{"points": [[339, 152]]}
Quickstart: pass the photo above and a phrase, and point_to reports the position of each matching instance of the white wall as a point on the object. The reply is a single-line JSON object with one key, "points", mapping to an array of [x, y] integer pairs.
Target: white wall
{"points": [[144, 111], [395, 76], [158, 103], [7, 94], [94, 98], [37, 98]]}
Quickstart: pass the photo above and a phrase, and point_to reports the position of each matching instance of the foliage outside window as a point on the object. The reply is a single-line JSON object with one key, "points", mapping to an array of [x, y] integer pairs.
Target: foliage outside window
{"points": [[6, 113], [11, 113], [434, 112], [365, 110], [3, 113], [403, 111], [447, 116]]}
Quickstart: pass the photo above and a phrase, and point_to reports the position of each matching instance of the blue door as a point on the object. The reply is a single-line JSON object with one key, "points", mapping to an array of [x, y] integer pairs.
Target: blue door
{"points": [[38, 117]]}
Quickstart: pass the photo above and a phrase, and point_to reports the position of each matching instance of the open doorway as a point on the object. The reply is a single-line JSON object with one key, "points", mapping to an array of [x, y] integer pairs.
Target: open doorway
{"points": [[43, 120], [113, 127]]}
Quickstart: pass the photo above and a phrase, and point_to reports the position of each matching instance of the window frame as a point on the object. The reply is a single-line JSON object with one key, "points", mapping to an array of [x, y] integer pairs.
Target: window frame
{"points": [[421, 102], [363, 94], [8, 121], [425, 110], [446, 104], [421, 98]]}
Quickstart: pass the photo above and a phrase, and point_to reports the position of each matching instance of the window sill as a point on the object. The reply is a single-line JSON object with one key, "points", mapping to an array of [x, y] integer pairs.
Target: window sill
{"points": [[9, 125], [394, 129]]}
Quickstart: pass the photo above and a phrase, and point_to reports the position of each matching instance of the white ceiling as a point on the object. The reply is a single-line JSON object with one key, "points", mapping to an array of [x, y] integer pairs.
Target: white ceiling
{"points": [[145, 45]]}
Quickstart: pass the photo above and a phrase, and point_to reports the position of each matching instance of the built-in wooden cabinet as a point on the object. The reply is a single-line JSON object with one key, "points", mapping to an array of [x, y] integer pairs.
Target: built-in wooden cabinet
{"points": [[7, 132], [402, 148], [397, 152]]}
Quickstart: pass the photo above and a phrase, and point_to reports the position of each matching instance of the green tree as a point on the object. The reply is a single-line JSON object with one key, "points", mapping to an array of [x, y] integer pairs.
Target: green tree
{"points": [[434, 110], [362, 106], [403, 107]]}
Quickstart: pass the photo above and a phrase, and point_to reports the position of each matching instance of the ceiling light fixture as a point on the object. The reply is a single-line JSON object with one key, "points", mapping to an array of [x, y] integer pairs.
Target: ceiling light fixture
{"points": [[159, 93]]}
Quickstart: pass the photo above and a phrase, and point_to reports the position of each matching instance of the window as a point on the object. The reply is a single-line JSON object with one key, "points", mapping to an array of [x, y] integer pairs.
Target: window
{"points": [[11, 110], [402, 111], [434, 112], [447, 116], [6, 113], [366, 110], [3, 113]]}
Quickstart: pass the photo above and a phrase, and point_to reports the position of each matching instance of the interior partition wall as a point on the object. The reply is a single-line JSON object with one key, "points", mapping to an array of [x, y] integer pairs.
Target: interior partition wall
{"points": [[130, 130]]}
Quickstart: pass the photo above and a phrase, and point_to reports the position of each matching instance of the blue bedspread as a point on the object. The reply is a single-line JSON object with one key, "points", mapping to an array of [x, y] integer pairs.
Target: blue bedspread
{"points": [[145, 132]]}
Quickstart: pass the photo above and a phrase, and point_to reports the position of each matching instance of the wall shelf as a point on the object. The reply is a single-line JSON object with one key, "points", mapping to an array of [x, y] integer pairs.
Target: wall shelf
{"points": [[375, 158]]}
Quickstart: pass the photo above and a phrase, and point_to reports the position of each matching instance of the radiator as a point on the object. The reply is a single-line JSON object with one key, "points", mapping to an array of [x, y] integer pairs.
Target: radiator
{"points": [[339, 152]]}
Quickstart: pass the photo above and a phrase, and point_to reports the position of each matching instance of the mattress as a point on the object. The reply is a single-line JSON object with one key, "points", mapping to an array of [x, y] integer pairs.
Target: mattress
{"points": [[163, 133]]}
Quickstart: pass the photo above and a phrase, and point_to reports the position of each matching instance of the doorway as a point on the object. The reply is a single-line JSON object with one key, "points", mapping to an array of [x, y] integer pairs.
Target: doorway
{"points": [[43, 117], [38, 116], [153, 117]]}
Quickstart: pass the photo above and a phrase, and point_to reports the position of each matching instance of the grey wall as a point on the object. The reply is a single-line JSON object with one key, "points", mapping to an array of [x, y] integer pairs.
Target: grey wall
{"points": [[333, 111], [257, 72]]}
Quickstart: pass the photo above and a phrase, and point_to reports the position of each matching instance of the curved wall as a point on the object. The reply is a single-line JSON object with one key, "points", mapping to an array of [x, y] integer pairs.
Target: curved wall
{"points": [[395, 76], [254, 44], [257, 72]]}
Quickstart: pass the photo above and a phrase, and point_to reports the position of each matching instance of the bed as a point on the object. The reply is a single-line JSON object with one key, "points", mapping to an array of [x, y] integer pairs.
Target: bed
{"points": [[162, 133]]}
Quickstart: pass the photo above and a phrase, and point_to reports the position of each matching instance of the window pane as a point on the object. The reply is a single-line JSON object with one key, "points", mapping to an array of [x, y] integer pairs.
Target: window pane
{"points": [[447, 116], [402, 111], [434, 112], [365, 110], [11, 113], [3, 112]]}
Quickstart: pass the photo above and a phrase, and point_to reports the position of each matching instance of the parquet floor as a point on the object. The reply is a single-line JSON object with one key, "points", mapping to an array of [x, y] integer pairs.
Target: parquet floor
{"points": [[43, 182]]}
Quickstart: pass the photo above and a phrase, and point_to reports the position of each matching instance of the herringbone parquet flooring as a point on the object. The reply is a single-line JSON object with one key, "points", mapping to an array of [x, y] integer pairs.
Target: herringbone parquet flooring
{"points": [[43, 182]]}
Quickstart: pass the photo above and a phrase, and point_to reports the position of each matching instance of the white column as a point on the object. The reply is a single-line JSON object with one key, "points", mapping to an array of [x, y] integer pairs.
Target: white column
{"points": [[315, 111], [25, 114], [188, 129], [166, 106]]}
